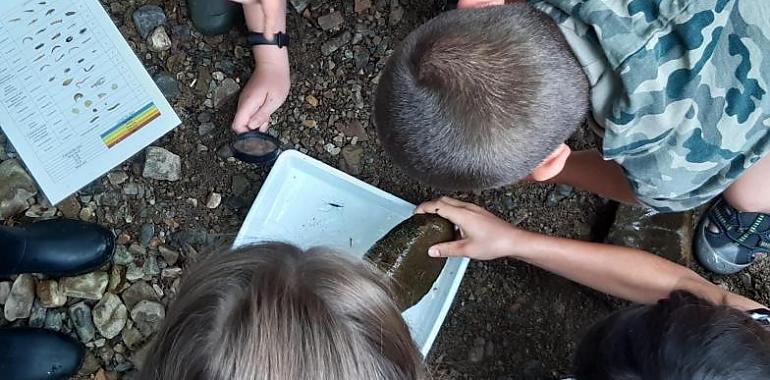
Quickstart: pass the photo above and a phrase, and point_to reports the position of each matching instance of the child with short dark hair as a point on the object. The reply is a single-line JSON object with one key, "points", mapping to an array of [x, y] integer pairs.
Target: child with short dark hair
{"points": [[484, 97], [684, 328], [275, 312]]}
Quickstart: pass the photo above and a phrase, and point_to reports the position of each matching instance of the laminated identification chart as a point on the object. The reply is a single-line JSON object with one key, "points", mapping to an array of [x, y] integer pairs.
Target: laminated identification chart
{"points": [[74, 99]]}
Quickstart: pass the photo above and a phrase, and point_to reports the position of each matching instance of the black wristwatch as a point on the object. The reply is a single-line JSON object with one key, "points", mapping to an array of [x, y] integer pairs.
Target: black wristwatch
{"points": [[280, 39]]}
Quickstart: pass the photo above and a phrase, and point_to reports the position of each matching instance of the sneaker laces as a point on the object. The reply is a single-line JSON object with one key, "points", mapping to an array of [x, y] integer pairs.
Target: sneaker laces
{"points": [[750, 230]]}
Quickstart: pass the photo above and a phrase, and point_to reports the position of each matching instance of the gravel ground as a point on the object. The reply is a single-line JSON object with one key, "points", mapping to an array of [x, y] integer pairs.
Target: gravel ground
{"points": [[167, 204]]}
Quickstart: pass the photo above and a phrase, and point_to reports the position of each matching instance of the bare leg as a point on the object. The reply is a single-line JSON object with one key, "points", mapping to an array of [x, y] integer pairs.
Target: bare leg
{"points": [[587, 170], [750, 191]]}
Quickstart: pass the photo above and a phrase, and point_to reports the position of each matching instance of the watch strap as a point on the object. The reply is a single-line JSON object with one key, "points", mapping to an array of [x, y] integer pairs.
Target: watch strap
{"points": [[280, 39]]}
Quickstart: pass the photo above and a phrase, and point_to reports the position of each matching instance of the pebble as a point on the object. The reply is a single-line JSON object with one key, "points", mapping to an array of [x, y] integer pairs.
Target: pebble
{"points": [[169, 255], [150, 266], [312, 100], [16, 187], [137, 292], [132, 338], [54, 320], [476, 353], [206, 128], [167, 84], [110, 316], [122, 256], [137, 249], [148, 231], [354, 128], [171, 273], [396, 13], [159, 40], [332, 149], [134, 273], [162, 165], [19, 302], [5, 290], [362, 5], [309, 123], [225, 151], [330, 46], [214, 200], [148, 315], [300, 5], [89, 286], [331, 21], [87, 214], [117, 178], [69, 207], [37, 316], [558, 194], [352, 155], [226, 91], [80, 315], [147, 18], [204, 117], [239, 185], [49, 294]]}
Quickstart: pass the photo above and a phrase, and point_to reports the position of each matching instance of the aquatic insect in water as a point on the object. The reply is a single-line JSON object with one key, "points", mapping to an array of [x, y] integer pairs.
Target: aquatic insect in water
{"points": [[403, 255]]}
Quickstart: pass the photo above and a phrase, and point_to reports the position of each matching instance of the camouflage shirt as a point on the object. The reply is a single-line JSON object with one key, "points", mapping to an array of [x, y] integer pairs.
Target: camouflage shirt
{"points": [[680, 87]]}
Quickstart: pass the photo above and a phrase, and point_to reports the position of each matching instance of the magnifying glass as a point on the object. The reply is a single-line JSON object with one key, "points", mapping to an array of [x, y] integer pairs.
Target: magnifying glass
{"points": [[256, 148]]}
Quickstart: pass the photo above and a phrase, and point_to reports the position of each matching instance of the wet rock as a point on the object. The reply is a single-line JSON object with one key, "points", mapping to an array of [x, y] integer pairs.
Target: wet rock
{"points": [[240, 185], [49, 294], [162, 165], [330, 46], [16, 187], [147, 316], [132, 338], [331, 21], [54, 320], [117, 178], [37, 315], [5, 291], [668, 235], [19, 302], [150, 266], [110, 316], [206, 128], [214, 200], [147, 18], [226, 91], [148, 231], [82, 321], [167, 84], [69, 207], [122, 256], [299, 5], [352, 155], [170, 256], [89, 286], [139, 291]]}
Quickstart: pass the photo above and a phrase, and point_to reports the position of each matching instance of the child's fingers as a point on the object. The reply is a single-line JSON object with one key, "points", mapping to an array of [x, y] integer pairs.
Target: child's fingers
{"points": [[247, 111], [449, 249], [261, 118]]}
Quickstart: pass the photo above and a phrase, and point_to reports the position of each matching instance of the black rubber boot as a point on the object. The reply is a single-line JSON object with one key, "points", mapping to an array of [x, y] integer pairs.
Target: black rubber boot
{"points": [[213, 17], [59, 247], [38, 354]]}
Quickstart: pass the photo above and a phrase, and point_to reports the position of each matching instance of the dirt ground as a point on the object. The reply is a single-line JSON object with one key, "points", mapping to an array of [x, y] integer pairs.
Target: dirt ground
{"points": [[509, 320]]}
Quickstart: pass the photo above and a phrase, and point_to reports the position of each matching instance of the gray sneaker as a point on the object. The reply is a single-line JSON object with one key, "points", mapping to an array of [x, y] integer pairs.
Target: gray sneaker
{"points": [[728, 240]]}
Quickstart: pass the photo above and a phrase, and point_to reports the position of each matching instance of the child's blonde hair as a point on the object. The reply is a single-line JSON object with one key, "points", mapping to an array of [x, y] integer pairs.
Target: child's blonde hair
{"points": [[274, 312]]}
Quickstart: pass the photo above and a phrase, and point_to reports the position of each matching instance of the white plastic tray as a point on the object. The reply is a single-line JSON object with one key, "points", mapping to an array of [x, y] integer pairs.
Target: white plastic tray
{"points": [[308, 203]]}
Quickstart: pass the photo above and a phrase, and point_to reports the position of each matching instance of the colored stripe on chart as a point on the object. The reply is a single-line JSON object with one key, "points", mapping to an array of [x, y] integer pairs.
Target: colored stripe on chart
{"points": [[130, 125]]}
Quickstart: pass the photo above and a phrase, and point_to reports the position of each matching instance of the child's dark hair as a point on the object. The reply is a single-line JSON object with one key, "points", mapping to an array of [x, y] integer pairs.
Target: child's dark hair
{"points": [[477, 98], [275, 312], [680, 338]]}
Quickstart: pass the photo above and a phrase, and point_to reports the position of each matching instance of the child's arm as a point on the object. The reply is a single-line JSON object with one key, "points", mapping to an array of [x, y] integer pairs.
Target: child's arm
{"points": [[627, 273], [269, 84], [588, 171]]}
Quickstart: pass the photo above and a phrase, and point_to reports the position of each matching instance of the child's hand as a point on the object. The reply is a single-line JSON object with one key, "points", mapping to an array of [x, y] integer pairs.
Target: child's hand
{"points": [[265, 91], [484, 236]]}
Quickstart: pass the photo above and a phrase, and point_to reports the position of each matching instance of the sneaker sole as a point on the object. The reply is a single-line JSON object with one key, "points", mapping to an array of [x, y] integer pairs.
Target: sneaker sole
{"points": [[709, 258]]}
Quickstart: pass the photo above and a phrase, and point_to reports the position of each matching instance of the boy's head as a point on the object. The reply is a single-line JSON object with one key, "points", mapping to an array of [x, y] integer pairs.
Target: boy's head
{"points": [[274, 312], [681, 338], [481, 98]]}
